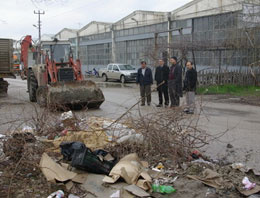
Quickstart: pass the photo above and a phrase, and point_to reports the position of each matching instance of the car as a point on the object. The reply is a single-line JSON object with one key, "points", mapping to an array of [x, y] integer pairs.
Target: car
{"points": [[115, 71]]}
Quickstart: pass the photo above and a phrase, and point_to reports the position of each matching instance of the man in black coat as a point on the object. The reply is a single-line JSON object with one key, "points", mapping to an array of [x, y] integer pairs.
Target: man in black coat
{"points": [[190, 82], [161, 76], [175, 82], [145, 80]]}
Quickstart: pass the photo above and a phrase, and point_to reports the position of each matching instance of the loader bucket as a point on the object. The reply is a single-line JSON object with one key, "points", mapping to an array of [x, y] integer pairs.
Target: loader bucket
{"points": [[74, 94]]}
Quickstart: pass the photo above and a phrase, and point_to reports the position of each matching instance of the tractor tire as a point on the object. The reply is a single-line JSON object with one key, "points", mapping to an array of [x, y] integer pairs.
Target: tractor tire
{"points": [[32, 86], [41, 96]]}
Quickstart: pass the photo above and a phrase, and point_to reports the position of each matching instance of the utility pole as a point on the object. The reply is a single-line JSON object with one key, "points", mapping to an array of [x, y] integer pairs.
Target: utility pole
{"points": [[39, 22]]}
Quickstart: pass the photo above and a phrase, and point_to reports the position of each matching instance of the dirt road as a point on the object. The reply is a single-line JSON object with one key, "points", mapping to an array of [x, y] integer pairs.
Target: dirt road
{"points": [[240, 121]]}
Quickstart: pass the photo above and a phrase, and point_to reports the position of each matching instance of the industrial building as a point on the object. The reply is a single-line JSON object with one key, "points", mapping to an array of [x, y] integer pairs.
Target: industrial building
{"points": [[212, 33]]}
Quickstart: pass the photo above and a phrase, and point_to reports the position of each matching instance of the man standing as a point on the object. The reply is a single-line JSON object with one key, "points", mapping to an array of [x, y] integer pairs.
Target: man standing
{"points": [[161, 76], [190, 82], [175, 82], [145, 80]]}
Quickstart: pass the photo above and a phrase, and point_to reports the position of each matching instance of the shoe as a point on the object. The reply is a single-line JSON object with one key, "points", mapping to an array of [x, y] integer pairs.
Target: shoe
{"points": [[149, 104], [142, 104], [159, 105]]}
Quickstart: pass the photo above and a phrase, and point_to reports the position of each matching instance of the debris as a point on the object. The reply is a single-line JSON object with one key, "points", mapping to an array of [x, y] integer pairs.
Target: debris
{"points": [[202, 161], [162, 189], [68, 148], [121, 133], [254, 196], [248, 185], [196, 154], [237, 166], [211, 178], [73, 196], [66, 115], [53, 171], [85, 159], [135, 190], [230, 146], [116, 194], [131, 170], [27, 129], [160, 166], [14, 146], [255, 190], [57, 194]]}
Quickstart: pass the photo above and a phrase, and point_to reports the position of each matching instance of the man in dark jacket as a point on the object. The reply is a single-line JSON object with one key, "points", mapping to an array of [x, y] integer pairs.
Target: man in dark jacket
{"points": [[190, 82], [161, 76], [175, 82], [145, 80]]}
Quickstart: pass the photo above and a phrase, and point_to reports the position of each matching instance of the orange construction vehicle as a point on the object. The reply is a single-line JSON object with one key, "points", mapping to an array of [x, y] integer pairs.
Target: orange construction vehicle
{"points": [[53, 78]]}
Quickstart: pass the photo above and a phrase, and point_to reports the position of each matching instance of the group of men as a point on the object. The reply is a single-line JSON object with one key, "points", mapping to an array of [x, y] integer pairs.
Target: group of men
{"points": [[169, 84]]}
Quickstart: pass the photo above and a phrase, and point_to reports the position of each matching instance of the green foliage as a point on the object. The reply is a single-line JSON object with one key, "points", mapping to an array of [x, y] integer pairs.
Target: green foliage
{"points": [[229, 89]]}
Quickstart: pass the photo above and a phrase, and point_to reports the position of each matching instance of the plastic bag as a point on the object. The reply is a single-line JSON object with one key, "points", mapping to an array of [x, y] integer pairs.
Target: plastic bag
{"points": [[68, 148]]}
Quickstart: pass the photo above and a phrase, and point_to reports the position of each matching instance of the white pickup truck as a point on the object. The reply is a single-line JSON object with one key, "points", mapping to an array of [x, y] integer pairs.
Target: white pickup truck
{"points": [[122, 72]]}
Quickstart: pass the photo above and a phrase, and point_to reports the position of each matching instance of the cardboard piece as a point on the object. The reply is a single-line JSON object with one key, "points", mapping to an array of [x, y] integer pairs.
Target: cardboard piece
{"points": [[255, 190], [131, 170], [135, 190], [53, 171], [211, 178]]}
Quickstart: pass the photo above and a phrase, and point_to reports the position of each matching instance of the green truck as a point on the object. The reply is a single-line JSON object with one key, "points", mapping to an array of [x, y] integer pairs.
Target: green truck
{"points": [[6, 63]]}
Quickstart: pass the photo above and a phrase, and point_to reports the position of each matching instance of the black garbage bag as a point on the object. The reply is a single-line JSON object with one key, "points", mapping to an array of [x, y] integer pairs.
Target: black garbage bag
{"points": [[68, 148], [88, 161]]}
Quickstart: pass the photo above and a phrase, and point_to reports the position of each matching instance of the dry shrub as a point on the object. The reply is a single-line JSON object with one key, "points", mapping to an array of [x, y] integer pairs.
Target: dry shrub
{"points": [[167, 134]]}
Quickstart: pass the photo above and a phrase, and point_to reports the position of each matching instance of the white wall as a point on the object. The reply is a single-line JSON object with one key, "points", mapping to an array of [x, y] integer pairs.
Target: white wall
{"points": [[94, 28], [199, 8], [65, 35]]}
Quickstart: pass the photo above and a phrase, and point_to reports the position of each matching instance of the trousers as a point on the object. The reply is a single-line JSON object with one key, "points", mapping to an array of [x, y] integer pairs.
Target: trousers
{"points": [[163, 91], [190, 100], [145, 92], [174, 96]]}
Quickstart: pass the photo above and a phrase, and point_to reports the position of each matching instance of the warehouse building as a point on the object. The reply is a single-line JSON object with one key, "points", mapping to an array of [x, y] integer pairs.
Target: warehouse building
{"points": [[212, 33]]}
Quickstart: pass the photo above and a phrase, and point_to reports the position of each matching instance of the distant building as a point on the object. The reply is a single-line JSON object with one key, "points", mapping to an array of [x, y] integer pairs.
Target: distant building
{"points": [[213, 33], [66, 34], [47, 37]]}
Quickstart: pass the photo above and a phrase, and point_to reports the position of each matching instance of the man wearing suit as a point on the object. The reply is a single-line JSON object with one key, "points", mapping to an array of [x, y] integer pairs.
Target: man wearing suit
{"points": [[175, 82], [145, 80], [161, 76]]}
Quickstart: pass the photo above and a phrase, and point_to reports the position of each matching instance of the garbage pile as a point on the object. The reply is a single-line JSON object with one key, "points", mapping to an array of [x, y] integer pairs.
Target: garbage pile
{"points": [[80, 161]]}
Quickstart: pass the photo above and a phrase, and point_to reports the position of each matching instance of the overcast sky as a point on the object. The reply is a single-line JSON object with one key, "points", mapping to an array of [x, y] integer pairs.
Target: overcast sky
{"points": [[17, 17]]}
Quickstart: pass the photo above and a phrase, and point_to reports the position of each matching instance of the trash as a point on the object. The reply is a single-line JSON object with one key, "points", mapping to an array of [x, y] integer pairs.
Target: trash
{"points": [[64, 132], [68, 148], [73, 196], [201, 161], [196, 154], [247, 184], [237, 166], [86, 160], [57, 194], [162, 189], [135, 190], [255, 190], [131, 170], [2, 136], [156, 169], [230, 146], [27, 129], [121, 133], [66, 115], [160, 166], [53, 171], [116, 194], [211, 178], [254, 196]]}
